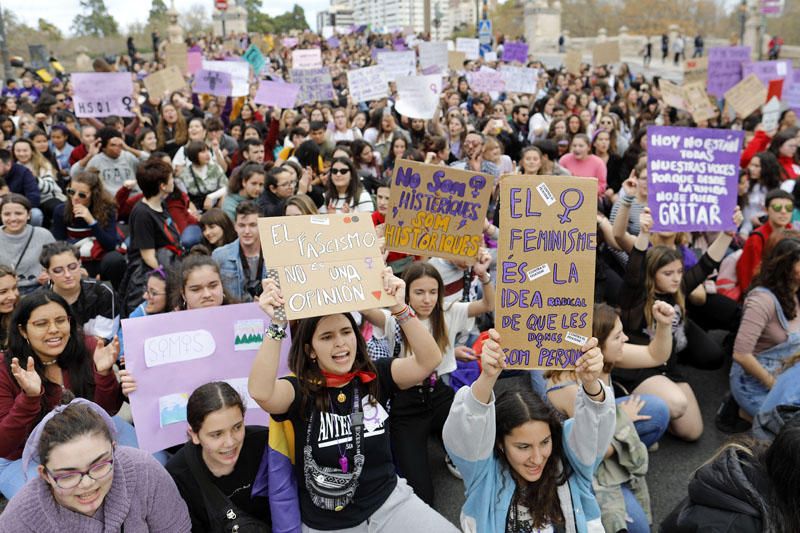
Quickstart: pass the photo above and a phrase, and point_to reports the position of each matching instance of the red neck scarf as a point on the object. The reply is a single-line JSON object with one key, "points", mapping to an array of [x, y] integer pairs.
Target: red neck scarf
{"points": [[336, 380]]}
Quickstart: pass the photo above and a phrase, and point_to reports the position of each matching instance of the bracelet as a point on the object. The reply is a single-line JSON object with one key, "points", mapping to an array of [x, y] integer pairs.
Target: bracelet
{"points": [[400, 312], [487, 282], [592, 395], [627, 201], [405, 315]]}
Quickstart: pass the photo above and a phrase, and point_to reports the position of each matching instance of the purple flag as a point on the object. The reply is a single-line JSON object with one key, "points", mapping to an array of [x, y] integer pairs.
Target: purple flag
{"points": [[515, 52], [212, 82], [692, 178], [277, 94], [725, 68]]}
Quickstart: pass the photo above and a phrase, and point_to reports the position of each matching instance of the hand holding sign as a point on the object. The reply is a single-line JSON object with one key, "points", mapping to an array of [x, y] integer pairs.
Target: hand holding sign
{"points": [[590, 366], [271, 298]]}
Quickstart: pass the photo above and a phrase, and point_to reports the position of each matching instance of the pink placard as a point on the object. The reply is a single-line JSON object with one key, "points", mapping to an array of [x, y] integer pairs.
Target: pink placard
{"points": [[172, 354], [277, 94], [194, 61]]}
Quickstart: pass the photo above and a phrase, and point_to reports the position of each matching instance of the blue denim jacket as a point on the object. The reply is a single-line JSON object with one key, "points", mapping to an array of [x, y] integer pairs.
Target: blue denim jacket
{"points": [[230, 267]]}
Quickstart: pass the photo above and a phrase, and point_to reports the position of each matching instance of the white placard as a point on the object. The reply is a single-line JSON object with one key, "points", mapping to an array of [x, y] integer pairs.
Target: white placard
{"points": [[433, 54], [471, 47], [307, 58], [367, 84], [520, 79], [418, 96], [398, 64], [239, 71]]}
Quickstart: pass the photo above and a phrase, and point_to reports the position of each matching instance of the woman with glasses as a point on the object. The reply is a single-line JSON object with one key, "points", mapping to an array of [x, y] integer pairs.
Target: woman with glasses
{"points": [[85, 481], [47, 356], [21, 243], [155, 301], [344, 193], [88, 220]]}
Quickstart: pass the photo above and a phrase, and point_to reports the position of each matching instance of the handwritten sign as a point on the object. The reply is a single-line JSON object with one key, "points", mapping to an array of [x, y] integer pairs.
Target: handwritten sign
{"points": [[692, 177], [695, 70], [437, 211], [289, 42], [172, 354], [606, 53], [418, 96], [433, 54], [470, 47], [325, 263], [572, 61], [164, 81], [725, 67], [212, 82], [398, 64], [519, 79], [697, 101], [746, 96], [515, 52], [367, 84], [315, 84], [310, 58], [768, 71], [545, 269], [239, 72], [277, 94], [770, 113], [486, 81], [255, 58], [102, 94], [176, 55], [672, 94]]}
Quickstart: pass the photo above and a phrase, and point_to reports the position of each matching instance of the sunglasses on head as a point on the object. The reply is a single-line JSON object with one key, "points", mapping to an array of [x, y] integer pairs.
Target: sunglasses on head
{"points": [[73, 192]]}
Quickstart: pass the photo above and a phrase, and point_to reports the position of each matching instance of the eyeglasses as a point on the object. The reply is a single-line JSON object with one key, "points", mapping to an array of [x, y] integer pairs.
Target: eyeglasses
{"points": [[287, 184], [72, 267], [70, 480], [787, 208], [61, 99], [152, 293], [73, 192], [44, 324], [342, 171]]}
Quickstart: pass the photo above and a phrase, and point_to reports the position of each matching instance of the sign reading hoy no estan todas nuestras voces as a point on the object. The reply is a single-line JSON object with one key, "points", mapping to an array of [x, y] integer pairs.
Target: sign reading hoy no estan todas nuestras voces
{"points": [[545, 269]]}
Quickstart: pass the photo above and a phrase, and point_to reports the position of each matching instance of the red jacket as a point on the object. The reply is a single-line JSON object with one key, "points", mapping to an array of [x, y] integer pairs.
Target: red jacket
{"points": [[19, 412], [759, 143], [750, 261]]}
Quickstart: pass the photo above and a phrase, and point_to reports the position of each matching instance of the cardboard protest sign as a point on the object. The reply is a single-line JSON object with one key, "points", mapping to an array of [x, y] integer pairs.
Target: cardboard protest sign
{"points": [[437, 211], [315, 84], [102, 94], [572, 61], [746, 96], [239, 72], [545, 269], [418, 96], [455, 60], [324, 263], [164, 81], [470, 47], [606, 53], [697, 101], [695, 70], [692, 177], [367, 84], [174, 353], [725, 68], [176, 55], [255, 58], [486, 81], [397, 64], [433, 54], [277, 94], [519, 79], [672, 94], [515, 52], [212, 82], [309, 58], [194, 61]]}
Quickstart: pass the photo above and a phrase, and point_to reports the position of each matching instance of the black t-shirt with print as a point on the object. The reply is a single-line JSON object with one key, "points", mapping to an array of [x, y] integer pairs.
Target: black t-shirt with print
{"points": [[378, 478], [150, 229], [237, 485]]}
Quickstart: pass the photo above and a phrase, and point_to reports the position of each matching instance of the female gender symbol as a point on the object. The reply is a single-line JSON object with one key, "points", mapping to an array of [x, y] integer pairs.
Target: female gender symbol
{"points": [[568, 208]]}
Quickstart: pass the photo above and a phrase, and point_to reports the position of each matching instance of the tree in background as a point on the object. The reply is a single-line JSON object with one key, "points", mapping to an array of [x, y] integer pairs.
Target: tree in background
{"points": [[97, 21], [157, 18], [260, 22], [291, 20], [50, 29]]}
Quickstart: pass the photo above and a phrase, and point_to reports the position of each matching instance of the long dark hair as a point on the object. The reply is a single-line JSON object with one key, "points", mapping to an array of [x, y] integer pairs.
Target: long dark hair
{"points": [[777, 271], [782, 464], [217, 217], [419, 270], [513, 409], [197, 258], [771, 171], [102, 204], [310, 380], [209, 398], [353, 188], [73, 359]]}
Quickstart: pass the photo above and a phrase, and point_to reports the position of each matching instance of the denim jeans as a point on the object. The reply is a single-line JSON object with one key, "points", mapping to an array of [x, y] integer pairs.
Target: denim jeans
{"points": [[636, 519], [650, 431]]}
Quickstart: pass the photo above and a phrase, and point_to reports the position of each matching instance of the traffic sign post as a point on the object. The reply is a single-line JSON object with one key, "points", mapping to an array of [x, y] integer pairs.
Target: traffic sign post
{"points": [[485, 35]]}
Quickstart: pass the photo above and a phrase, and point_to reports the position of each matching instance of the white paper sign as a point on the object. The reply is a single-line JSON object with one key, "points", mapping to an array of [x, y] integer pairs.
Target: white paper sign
{"points": [[102, 94], [308, 58], [490, 56], [471, 47], [771, 112], [398, 64], [239, 71], [433, 54], [486, 81], [519, 79], [367, 84], [177, 347], [418, 96]]}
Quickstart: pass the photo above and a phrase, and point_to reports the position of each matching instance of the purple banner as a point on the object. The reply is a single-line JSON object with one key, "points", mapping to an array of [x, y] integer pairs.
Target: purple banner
{"points": [[725, 68], [791, 94], [692, 178], [515, 52], [277, 94], [212, 82], [767, 71]]}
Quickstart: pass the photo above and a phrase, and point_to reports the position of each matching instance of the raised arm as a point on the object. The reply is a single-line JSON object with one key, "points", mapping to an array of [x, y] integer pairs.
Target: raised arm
{"points": [[623, 239], [273, 395], [658, 351], [481, 269]]}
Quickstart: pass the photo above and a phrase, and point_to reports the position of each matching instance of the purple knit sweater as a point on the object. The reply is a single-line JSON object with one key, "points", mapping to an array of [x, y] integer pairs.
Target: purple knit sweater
{"points": [[143, 498]]}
